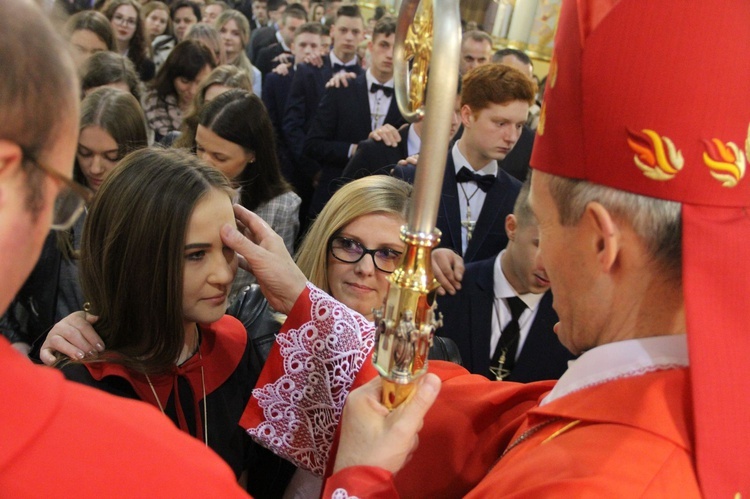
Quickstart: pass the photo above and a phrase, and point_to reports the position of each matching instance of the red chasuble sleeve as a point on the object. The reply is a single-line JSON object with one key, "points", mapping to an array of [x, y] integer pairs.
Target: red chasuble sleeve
{"points": [[359, 482]]}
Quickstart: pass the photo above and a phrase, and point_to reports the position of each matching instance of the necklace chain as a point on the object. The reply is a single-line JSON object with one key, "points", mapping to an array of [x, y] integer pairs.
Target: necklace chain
{"points": [[203, 385], [468, 223]]}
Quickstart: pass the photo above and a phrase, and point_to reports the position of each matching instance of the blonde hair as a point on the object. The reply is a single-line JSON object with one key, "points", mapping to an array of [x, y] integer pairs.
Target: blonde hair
{"points": [[375, 194]]}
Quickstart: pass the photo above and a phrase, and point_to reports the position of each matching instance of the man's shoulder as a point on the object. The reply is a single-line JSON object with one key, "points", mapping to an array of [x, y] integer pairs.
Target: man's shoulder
{"points": [[105, 438]]}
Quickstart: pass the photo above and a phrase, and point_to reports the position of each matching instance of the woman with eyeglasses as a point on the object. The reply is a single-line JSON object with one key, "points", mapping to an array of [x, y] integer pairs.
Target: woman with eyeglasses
{"points": [[354, 243], [111, 125], [130, 36]]}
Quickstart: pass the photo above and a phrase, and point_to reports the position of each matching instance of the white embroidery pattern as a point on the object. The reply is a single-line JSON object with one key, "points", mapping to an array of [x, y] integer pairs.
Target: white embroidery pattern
{"points": [[342, 494], [321, 359]]}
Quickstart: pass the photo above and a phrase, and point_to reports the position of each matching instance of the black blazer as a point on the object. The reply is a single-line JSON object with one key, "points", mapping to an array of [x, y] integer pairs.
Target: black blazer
{"points": [[265, 58], [489, 236], [275, 92], [342, 119], [467, 320], [260, 38], [373, 157], [308, 85]]}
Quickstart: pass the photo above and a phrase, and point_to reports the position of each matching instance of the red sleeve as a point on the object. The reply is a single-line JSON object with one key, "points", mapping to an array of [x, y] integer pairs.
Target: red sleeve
{"points": [[359, 482], [297, 403]]}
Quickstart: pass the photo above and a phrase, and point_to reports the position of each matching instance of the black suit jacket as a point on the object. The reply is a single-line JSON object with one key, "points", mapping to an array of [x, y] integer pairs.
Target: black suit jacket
{"points": [[467, 320], [373, 157], [307, 88], [489, 237], [260, 38], [343, 118], [265, 59], [274, 95]]}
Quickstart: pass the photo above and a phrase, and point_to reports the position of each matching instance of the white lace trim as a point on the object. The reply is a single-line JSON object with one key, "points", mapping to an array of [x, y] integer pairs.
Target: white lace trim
{"points": [[321, 359], [342, 494]]}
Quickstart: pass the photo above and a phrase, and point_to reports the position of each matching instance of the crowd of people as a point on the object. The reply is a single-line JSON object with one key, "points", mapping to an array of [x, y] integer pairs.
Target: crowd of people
{"points": [[226, 214]]}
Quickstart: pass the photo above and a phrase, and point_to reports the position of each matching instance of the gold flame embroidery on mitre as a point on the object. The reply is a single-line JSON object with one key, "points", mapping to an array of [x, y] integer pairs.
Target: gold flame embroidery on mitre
{"points": [[656, 156], [726, 161]]}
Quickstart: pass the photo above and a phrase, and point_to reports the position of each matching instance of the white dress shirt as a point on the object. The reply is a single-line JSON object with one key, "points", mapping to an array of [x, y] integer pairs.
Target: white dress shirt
{"points": [[379, 102], [413, 142], [471, 191], [501, 314]]}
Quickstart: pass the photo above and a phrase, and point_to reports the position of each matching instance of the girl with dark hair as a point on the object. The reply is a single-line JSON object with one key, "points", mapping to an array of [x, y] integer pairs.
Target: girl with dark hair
{"points": [[175, 85], [130, 38], [235, 135], [156, 273], [89, 32]]}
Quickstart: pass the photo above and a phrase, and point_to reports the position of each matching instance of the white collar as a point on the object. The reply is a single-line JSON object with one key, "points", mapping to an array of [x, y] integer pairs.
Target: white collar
{"points": [[459, 160], [371, 79], [621, 359], [280, 39], [336, 60], [502, 288]]}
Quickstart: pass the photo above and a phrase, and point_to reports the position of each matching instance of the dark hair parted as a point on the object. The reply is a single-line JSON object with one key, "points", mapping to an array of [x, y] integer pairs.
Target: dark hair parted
{"points": [[132, 254], [106, 68], [241, 118], [495, 84], [186, 60], [120, 115], [96, 22]]}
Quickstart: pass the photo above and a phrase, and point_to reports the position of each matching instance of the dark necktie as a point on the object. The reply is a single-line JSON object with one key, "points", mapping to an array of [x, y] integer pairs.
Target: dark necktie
{"points": [[504, 359], [387, 91], [484, 182], [342, 67]]}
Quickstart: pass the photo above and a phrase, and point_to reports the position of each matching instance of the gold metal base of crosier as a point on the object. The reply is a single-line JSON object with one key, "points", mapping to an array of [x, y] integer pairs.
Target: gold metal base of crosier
{"points": [[407, 322]]}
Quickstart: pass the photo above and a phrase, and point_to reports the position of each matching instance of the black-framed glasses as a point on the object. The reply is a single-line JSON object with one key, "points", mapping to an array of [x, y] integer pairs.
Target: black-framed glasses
{"points": [[70, 201], [350, 251], [124, 21]]}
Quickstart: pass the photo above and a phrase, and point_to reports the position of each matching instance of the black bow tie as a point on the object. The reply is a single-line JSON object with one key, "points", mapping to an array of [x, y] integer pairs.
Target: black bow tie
{"points": [[484, 182], [342, 67], [387, 91]]}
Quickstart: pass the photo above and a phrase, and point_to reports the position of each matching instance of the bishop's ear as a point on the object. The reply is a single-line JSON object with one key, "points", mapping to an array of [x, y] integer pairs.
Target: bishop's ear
{"points": [[605, 234]]}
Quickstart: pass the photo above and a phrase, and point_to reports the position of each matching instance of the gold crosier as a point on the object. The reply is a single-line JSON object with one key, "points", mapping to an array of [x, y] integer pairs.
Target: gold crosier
{"points": [[406, 323]]}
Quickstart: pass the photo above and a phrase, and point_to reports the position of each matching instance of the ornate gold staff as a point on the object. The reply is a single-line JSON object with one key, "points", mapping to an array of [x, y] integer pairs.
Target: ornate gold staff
{"points": [[407, 322]]}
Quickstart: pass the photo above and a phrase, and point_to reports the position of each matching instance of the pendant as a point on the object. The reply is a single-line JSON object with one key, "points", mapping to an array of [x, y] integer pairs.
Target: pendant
{"points": [[468, 224]]}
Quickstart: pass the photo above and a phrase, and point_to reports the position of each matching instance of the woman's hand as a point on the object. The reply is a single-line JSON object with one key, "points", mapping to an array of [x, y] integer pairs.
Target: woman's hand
{"points": [[73, 336], [262, 252]]}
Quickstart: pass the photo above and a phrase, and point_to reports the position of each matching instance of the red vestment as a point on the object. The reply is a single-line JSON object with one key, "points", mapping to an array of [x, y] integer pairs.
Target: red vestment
{"points": [[61, 438], [626, 437]]}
